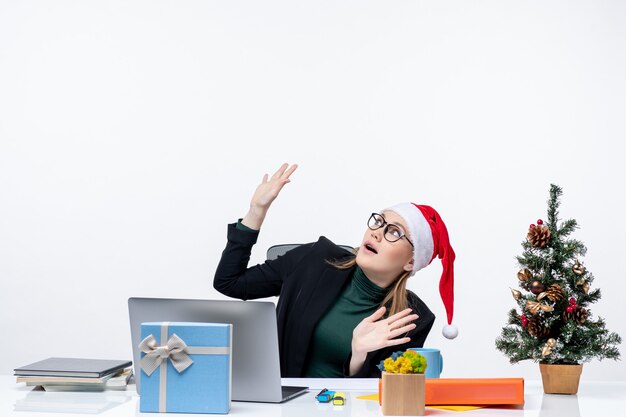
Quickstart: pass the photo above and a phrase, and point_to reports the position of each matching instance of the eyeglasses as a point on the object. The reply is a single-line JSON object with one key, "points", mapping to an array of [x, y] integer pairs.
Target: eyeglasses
{"points": [[391, 232]]}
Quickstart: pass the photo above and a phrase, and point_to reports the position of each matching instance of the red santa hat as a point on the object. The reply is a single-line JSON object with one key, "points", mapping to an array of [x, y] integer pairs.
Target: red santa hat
{"points": [[430, 239]]}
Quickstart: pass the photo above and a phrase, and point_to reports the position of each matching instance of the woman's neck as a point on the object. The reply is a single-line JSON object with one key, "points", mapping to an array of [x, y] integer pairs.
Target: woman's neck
{"points": [[381, 280]]}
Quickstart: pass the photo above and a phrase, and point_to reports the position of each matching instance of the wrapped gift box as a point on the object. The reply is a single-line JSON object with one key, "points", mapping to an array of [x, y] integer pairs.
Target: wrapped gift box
{"points": [[471, 391], [475, 391], [185, 367]]}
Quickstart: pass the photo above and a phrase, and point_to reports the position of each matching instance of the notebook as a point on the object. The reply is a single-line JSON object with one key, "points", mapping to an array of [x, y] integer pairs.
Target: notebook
{"points": [[256, 365], [72, 367], [113, 381]]}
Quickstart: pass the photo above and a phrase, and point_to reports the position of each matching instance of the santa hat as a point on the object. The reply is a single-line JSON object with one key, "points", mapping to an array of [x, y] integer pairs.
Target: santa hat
{"points": [[430, 239]]}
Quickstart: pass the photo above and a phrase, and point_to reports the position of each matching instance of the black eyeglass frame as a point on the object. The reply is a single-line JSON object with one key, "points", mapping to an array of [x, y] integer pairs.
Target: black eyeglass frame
{"points": [[386, 228]]}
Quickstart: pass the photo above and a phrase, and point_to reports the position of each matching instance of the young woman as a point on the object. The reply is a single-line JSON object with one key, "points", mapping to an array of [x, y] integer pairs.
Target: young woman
{"points": [[340, 314]]}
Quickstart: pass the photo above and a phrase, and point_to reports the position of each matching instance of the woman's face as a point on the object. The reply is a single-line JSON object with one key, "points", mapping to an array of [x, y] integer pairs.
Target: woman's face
{"points": [[382, 259]]}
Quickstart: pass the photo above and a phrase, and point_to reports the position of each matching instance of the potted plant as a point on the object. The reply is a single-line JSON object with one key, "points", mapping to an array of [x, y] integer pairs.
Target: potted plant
{"points": [[403, 390], [552, 323]]}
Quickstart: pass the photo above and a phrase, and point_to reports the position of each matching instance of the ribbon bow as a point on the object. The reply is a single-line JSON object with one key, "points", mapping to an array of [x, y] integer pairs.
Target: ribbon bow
{"points": [[534, 307], [175, 349]]}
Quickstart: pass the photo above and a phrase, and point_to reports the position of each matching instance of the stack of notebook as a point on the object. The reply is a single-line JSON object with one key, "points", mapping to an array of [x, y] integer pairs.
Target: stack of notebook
{"points": [[74, 374]]}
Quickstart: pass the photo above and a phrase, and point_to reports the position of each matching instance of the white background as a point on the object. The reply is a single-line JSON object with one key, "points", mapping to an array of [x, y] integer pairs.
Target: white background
{"points": [[132, 132]]}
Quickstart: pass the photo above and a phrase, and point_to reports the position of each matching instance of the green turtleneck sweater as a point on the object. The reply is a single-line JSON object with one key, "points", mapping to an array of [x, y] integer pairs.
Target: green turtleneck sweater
{"points": [[331, 342]]}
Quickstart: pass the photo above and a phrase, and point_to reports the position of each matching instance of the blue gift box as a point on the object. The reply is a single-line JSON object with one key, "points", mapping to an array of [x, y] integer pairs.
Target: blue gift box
{"points": [[185, 367]]}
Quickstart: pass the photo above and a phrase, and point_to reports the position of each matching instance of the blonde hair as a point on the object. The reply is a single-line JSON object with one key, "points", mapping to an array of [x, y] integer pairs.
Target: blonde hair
{"points": [[396, 296]]}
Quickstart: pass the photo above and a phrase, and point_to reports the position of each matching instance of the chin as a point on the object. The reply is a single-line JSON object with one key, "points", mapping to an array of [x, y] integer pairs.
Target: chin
{"points": [[366, 264], [360, 261]]}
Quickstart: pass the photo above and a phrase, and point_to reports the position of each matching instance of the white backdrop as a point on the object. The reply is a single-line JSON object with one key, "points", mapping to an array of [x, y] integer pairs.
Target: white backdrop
{"points": [[131, 133]]}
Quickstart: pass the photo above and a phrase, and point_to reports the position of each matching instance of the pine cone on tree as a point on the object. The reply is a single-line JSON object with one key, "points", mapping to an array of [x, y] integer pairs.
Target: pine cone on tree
{"points": [[579, 315], [554, 293], [536, 328], [539, 235]]}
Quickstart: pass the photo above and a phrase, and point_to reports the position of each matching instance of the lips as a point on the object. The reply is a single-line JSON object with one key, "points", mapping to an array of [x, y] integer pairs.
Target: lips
{"points": [[368, 246]]}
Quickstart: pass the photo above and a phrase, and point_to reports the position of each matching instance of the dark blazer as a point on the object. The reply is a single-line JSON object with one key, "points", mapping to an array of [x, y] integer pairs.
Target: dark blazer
{"points": [[307, 286]]}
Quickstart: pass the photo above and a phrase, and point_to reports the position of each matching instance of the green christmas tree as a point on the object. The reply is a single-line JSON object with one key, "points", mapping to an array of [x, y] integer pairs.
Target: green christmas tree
{"points": [[553, 323]]}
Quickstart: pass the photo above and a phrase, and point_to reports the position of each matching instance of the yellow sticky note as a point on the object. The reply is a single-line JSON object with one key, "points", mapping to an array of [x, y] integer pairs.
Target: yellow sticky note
{"points": [[456, 407], [373, 397]]}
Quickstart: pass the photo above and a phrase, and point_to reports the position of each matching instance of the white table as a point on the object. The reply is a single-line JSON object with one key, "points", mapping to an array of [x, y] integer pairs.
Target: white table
{"points": [[594, 399]]}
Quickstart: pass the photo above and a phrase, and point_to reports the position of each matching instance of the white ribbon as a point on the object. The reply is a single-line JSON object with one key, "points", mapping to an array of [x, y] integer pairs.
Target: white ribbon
{"points": [[175, 350]]}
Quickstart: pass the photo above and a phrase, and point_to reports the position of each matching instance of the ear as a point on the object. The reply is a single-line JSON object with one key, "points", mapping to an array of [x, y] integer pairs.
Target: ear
{"points": [[409, 265]]}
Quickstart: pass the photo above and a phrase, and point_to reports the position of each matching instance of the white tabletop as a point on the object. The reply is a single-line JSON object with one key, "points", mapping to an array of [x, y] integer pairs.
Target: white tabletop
{"points": [[593, 399]]}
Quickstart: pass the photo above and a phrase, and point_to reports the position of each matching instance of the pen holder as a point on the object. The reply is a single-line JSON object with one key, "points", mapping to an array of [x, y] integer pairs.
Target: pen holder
{"points": [[403, 394]]}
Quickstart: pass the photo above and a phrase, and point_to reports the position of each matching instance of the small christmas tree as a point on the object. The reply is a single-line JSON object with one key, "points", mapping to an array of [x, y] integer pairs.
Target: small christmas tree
{"points": [[554, 324]]}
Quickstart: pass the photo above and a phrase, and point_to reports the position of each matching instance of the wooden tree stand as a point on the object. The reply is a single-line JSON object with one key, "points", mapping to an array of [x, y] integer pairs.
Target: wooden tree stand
{"points": [[403, 394], [560, 379]]}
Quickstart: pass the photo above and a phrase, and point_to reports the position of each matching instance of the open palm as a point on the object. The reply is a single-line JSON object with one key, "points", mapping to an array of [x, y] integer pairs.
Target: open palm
{"points": [[372, 333], [269, 188]]}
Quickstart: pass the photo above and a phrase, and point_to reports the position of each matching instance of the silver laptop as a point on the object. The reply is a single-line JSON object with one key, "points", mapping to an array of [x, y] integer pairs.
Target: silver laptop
{"points": [[256, 366]]}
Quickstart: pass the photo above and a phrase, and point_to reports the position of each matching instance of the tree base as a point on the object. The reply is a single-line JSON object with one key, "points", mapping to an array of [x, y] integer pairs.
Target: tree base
{"points": [[560, 379]]}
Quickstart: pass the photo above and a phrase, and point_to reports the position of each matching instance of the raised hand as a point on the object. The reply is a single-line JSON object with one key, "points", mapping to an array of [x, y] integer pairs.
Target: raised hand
{"points": [[265, 194], [268, 190]]}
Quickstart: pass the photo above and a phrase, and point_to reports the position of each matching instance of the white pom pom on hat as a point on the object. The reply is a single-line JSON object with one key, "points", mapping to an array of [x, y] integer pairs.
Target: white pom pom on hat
{"points": [[430, 239]]}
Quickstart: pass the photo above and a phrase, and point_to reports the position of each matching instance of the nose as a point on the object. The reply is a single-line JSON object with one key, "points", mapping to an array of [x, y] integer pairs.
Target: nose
{"points": [[377, 234]]}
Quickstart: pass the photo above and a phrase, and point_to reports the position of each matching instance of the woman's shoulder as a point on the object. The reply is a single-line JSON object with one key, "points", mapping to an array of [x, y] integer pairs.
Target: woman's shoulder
{"points": [[332, 249], [327, 245], [323, 247]]}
